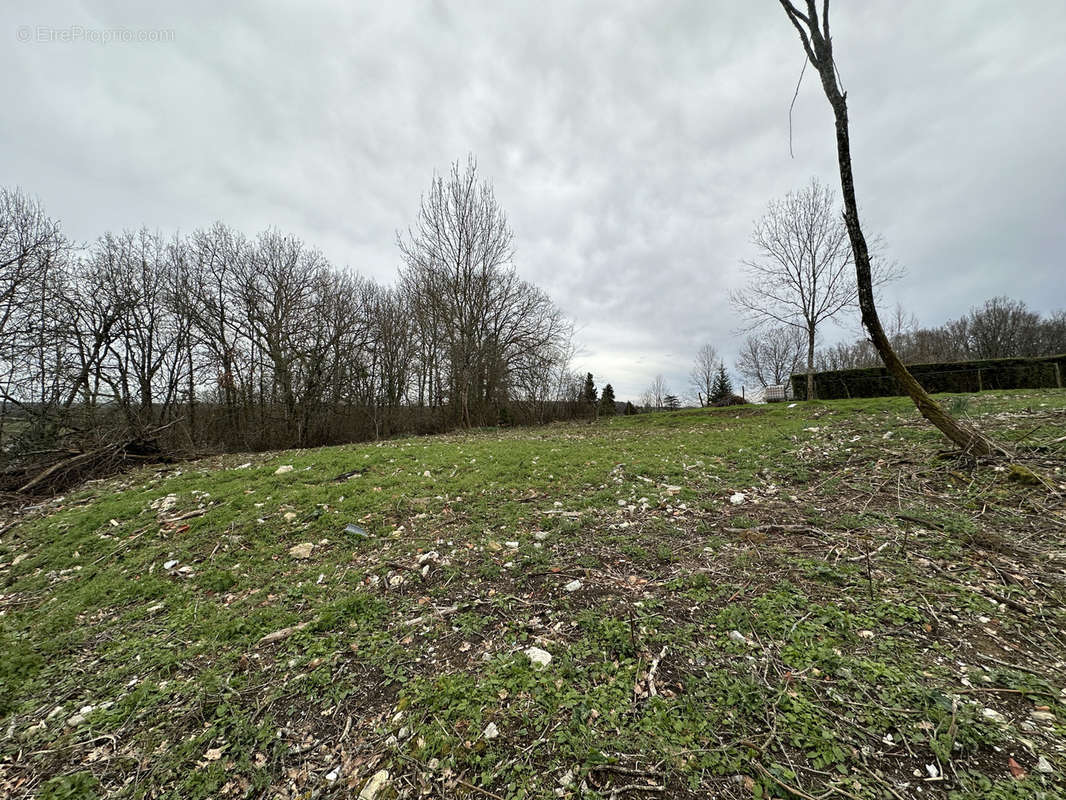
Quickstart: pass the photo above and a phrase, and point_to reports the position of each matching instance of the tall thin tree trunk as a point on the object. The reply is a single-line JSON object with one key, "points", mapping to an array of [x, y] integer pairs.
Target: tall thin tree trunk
{"points": [[819, 47], [810, 364]]}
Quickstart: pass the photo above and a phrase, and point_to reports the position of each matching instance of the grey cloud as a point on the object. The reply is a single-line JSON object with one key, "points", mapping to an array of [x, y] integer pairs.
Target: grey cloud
{"points": [[632, 144]]}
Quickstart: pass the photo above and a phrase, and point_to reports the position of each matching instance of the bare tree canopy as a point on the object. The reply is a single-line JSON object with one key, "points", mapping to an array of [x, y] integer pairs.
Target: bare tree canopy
{"points": [[460, 276], [802, 274], [771, 356], [228, 342], [1000, 328], [703, 371], [655, 395]]}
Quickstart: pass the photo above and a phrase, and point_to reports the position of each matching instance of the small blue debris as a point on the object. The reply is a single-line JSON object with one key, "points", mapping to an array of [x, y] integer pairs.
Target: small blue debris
{"points": [[355, 530]]}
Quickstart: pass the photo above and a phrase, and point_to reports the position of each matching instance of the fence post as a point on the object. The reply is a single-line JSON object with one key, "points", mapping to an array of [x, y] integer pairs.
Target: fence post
{"points": [[1058, 374], [980, 385]]}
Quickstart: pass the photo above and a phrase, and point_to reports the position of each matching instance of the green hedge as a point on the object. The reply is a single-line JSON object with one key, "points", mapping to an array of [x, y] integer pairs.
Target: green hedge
{"points": [[957, 376]]}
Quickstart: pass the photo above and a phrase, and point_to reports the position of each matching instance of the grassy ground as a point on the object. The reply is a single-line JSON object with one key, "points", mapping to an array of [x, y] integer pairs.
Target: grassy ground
{"points": [[755, 602]]}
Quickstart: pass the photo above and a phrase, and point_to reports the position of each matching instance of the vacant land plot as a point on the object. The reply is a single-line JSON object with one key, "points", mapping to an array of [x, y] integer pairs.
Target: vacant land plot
{"points": [[777, 601]]}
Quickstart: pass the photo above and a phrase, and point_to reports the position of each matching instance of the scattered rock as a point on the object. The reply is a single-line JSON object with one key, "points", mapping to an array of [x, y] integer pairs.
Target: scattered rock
{"points": [[737, 498], [1043, 765], [302, 550], [333, 774], [738, 637], [170, 564], [540, 536], [491, 731], [573, 586], [283, 469], [374, 785], [539, 658], [992, 714], [1042, 716], [356, 530], [164, 504], [79, 718], [290, 516]]}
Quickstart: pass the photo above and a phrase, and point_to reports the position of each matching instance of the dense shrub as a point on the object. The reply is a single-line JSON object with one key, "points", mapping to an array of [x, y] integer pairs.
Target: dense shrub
{"points": [[730, 400], [956, 376]]}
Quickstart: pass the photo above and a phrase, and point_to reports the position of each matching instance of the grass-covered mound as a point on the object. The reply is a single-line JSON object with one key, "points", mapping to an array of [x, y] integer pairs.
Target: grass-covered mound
{"points": [[756, 602]]}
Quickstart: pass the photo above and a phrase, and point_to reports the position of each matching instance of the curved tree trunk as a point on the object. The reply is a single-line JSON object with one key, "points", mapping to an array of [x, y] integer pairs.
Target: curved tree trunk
{"points": [[819, 48]]}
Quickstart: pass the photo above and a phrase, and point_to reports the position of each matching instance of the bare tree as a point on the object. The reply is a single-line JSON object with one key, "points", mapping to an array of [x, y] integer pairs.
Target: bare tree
{"points": [[460, 247], [770, 358], [458, 271], [802, 275], [818, 45], [655, 395], [252, 343], [1004, 328], [703, 371]]}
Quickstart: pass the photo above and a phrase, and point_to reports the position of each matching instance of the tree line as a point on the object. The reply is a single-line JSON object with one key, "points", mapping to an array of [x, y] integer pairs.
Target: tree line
{"points": [[1000, 328], [220, 340]]}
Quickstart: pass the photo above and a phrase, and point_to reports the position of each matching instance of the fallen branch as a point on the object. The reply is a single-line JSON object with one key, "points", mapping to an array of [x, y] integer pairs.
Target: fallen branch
{"points": [[284, 633], [651, 672]]}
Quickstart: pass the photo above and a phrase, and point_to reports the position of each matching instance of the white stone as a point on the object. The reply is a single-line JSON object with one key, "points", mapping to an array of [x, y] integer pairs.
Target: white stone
{"points": [[1043, 765], [491, 731], [170, 564], [540, 658], [573, 586], [513, 545], [374, 785], [540, 536], [283, 469], [738, 637], [290, 516], [737, 498], [302, 550]]}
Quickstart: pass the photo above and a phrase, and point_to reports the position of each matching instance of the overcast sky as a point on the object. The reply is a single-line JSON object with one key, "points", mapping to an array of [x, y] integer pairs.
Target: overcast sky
{"points": [[631, 144]]}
